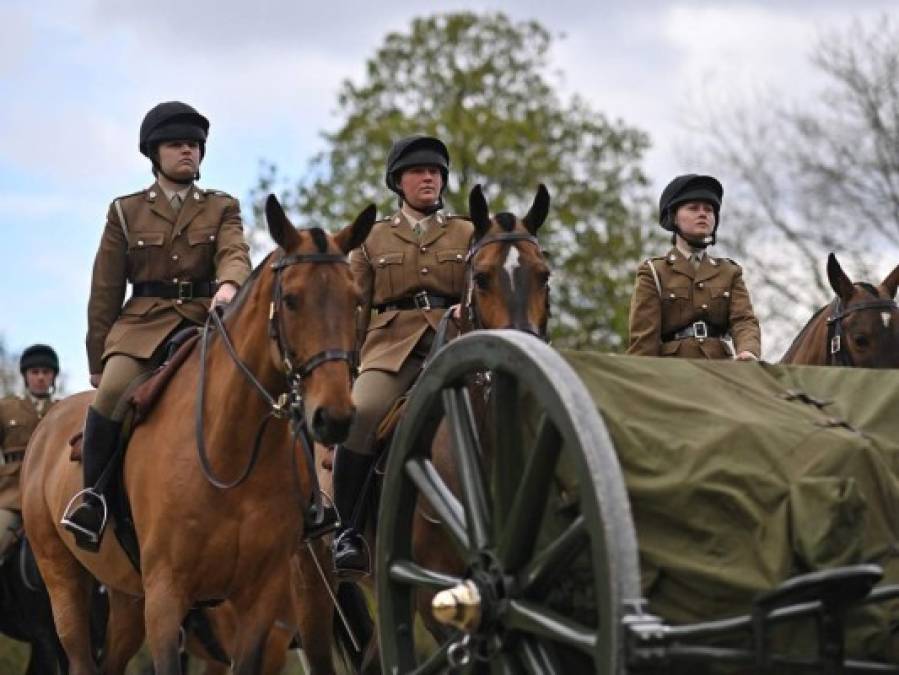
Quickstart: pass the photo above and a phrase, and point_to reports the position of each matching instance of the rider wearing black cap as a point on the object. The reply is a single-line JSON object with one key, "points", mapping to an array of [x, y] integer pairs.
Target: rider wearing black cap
{"points": [[182, 249], [410, 269], [687, 303], [19, 415]]}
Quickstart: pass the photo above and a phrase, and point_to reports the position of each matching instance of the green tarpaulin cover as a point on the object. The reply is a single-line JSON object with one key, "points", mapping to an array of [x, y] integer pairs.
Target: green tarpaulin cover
{"points": [[742, 475]]}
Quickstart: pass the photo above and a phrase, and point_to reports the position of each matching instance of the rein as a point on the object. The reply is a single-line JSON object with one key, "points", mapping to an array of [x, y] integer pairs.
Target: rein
{"points": [[288, 405], [469, 305], [837, 355]]}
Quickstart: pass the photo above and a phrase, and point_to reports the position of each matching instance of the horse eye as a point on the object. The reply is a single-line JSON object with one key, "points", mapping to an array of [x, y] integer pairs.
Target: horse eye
{"points": [[482, 280], [291, 301], [862, 341]]}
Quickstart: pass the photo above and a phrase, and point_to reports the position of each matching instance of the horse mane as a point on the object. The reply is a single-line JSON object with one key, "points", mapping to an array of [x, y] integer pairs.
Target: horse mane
{"points": [[244, 291], [797, 341], [506, 221]]}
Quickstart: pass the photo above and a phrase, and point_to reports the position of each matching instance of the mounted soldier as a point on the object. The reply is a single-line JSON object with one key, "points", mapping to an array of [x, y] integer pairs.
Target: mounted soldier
{"points": [[182, 248], [686, 303], [19, 415], [410, 269]]}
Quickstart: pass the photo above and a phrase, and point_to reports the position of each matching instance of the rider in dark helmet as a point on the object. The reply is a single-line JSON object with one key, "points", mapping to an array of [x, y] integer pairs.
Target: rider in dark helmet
{"points": [[182, 249], [687, 303], [19, 415], [409, 270]]}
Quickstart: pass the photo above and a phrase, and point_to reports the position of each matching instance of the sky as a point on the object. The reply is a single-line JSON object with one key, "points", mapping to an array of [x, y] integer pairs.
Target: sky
{"points": [[77, 76]]}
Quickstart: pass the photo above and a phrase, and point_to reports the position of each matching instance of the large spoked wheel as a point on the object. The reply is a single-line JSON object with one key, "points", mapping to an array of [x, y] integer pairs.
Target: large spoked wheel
{"points": [[534, 511]]}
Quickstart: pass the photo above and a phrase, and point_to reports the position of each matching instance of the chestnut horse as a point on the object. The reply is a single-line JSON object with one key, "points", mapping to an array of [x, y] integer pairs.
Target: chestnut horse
{"points": [[290, 354], [860, 327], [507, 286]]}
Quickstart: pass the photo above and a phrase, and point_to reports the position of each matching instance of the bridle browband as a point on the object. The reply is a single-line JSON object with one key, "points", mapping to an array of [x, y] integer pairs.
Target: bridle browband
{"points": [[288, 405], [837, 354], [469, 305]]}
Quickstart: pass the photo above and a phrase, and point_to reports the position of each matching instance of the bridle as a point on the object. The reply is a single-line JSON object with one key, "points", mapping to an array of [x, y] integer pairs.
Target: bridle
{"points": [[288, 405], [838, 354], [470, 306]]}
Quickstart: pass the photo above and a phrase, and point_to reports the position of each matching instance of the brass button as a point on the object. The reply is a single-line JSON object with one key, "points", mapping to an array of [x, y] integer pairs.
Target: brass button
{"points": [[152, 194], [211, 237], [672, 296], [423, 249], [458, 256], [140, 242], [726, 294], [179, 302], [197, 196], [424, 270], [705, 306], [382, 261], [175, 256], [175, 280], [698, 284]]}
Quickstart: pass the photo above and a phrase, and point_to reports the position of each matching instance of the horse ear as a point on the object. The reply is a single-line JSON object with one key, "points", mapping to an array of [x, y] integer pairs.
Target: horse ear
{"points": [[479, 211], [839, 282], [284, 234], [354, 234], [891, 282], [539, 210]]}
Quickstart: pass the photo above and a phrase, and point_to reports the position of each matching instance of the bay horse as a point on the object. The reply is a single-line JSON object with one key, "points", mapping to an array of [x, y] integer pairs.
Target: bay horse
{"points": [[860, 327], [507, 286], [289, 358]]}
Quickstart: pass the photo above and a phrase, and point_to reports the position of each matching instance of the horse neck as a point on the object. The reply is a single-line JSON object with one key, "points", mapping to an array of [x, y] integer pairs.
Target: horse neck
{"points": [[811, 346], [227, 388]]}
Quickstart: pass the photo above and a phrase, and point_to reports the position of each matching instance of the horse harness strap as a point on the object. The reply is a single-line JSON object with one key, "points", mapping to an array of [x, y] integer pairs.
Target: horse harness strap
{"points": [[836, 354], [499, 238]]}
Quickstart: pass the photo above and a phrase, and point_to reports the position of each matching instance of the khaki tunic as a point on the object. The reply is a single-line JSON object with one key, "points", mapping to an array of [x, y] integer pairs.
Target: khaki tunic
{"points": [[714, 293], [204, 241], [393, 264], [18, 419]]}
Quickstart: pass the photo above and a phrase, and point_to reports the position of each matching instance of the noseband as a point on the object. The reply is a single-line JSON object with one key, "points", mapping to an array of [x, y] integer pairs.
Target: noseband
{"points": [[288, 405], [469, 305], [838, 355]]}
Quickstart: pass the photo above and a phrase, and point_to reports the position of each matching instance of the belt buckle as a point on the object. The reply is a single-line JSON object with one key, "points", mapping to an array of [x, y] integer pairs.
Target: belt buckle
{"points": [[185, 291], [700, 330], [421, 300]]}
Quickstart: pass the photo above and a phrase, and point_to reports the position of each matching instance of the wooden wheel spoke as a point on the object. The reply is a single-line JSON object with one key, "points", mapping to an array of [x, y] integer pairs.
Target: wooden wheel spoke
{"points": [[538, 657], [413, 574], [447, 507], [505, 427], [522, 522], [554, 558], [542, 622], [435, 663], [457, 406]]}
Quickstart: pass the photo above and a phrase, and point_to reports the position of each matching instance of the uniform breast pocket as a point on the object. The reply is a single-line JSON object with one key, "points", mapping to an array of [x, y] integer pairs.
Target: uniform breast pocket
{"points": [[451, 271], [677, 308], [199, 262], [719, 306], [15, 435], [145, 255], [389, 277]]}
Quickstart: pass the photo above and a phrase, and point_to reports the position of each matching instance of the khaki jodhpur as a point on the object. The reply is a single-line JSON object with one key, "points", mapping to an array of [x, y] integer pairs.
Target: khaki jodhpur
{"points": [[375, 392], [119, 371]]}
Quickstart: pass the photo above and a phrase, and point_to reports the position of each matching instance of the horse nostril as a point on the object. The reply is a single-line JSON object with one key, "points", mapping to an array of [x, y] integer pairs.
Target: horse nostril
{"points": [[330, 428]]}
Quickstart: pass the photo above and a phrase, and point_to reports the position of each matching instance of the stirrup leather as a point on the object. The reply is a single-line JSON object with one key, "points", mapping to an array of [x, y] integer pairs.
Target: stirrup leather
{"points": [[71, 509]]}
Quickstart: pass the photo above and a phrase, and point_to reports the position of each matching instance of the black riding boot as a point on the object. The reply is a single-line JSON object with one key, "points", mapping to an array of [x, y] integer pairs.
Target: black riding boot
{"points": [[87, 520], [351, 483]]}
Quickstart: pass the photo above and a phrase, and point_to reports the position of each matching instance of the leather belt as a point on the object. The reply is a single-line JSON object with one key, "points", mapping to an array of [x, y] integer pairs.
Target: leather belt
{"points": [[174, 290], [421, 300], [13, 456], [697, 329]]}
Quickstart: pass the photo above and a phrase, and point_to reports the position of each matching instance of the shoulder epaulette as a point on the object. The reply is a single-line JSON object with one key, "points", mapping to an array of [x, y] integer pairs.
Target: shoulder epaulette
{"points": [[457, 216], [733, 262], [133, 194], [216, 193]]}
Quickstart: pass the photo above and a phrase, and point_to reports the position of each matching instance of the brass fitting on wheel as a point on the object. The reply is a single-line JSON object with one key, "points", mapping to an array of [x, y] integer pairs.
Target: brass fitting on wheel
{"points": [[459, 606]]}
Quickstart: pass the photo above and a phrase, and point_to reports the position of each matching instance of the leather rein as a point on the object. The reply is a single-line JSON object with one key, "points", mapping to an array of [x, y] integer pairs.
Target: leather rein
{"points": [[288, 405], [469, 305], [838, 354]]}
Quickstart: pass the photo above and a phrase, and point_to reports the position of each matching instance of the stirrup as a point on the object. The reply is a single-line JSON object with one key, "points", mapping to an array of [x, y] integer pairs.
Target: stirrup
{"points": [[84, 537]]}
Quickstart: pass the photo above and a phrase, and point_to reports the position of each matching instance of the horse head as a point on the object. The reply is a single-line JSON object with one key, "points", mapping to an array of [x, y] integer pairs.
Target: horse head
{"points": [[319, 353], [508, 278], [865, 317]]}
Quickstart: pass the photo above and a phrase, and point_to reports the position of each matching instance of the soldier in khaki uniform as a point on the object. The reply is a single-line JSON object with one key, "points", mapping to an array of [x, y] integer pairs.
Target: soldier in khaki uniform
{"points": [[19, 416], [410, 269], [182, 248], [687, 303]]}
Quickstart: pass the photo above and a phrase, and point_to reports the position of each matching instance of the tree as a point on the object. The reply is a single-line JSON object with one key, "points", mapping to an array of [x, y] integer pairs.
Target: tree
{"points": [[807, 178], [9, 370], [480, 83]]}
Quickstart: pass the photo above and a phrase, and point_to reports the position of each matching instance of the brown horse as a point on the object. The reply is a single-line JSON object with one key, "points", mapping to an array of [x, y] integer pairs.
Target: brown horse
{"points": [[507, 287], [292, 327], [860, 327]]}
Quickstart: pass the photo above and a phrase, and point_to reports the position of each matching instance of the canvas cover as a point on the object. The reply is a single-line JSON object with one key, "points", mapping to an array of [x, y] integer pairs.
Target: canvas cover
{"points": [[742, 475]]}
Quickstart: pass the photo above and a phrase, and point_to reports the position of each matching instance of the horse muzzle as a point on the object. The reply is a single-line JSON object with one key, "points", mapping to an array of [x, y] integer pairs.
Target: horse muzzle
{"points": [[329, 426]]}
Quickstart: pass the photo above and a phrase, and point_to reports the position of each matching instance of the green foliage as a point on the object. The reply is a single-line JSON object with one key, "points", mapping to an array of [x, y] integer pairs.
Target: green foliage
{"points": [[480, 83], [10, 379]]}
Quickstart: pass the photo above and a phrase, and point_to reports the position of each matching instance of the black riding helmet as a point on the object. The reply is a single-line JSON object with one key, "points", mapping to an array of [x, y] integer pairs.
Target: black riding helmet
{"points": [[417, 150], [171, 121], [689, 188], [39, 356]]}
